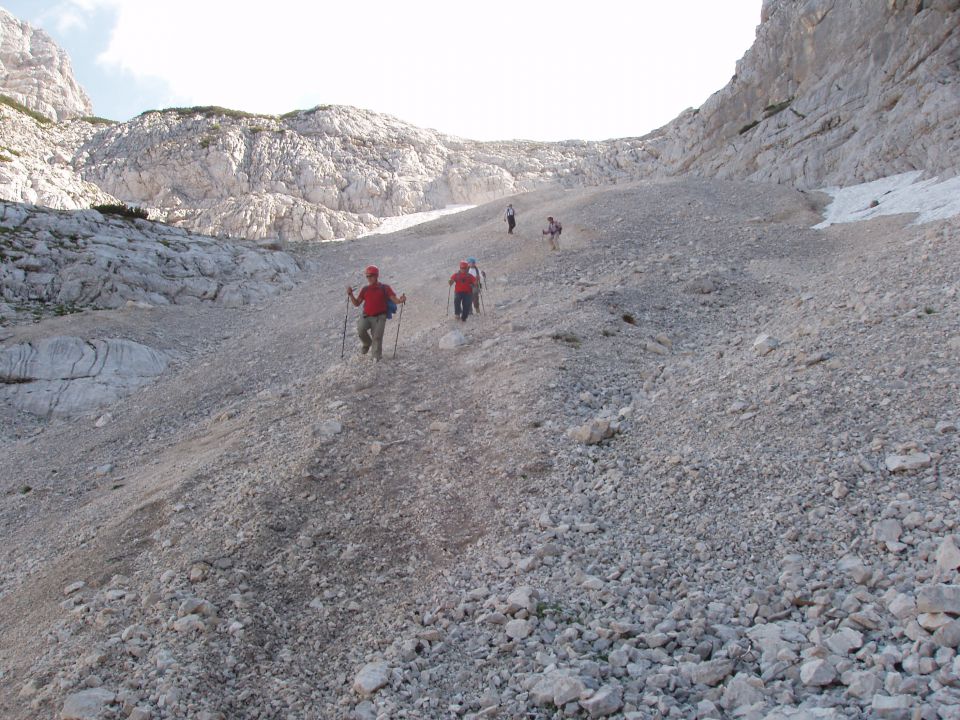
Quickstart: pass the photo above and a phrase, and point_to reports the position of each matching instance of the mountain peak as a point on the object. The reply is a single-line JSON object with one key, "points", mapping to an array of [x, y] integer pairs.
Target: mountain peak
{"points": [[37, 73]]}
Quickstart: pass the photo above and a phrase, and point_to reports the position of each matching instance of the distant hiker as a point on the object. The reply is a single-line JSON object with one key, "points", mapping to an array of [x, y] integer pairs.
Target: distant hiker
{"points": [[373, 321], [480, 277], [554, 228], [463, 283], [511, 218]]}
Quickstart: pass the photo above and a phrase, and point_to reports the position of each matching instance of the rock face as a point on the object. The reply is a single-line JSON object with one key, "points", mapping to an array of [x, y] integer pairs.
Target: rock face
{"points": [[68, 375], [36, 72], [62, 262], [323, 173], [870, 108], [830, 94], [873, 88]]}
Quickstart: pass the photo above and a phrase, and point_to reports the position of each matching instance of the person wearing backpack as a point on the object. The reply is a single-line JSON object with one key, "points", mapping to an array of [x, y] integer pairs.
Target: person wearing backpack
{"points": [[463, 283], [376, 298], [554, 228], [511, 218], [479, 276]]}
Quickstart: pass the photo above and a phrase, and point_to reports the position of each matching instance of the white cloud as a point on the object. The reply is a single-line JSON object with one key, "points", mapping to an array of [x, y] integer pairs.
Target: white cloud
{"points": [[489, 70]]}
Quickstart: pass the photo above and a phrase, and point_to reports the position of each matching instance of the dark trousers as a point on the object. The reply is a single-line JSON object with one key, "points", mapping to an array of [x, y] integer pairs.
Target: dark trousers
{"points": [[511, 224], [461, 304]]}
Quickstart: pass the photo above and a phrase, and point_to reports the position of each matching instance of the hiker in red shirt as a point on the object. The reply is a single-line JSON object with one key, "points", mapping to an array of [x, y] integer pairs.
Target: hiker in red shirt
{"points": [[463, 283], [373, 321]]}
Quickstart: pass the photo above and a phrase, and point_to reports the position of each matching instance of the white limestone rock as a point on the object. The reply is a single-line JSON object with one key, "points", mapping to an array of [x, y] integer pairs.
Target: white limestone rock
{"points": [[87, 704], [370, 678], [37, 73], [452, 340], [605, 701], [948, 555], [817, 673], [907, 463], [66, 376], [765, 344], [939, 599]]}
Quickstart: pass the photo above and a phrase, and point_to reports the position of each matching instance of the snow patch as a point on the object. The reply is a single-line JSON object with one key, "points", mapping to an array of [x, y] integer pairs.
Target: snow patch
{"points": [[904, 193], [402, 222]]}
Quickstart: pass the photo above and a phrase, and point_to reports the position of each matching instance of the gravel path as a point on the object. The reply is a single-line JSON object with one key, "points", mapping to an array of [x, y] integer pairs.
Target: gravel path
{"points": [[611, 501]]}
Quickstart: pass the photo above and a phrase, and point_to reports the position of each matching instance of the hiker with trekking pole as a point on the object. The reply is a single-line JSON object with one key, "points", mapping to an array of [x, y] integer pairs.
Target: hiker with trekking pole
{"points": [[554, 228], [478, 286], [377, 299], [463, 283]]}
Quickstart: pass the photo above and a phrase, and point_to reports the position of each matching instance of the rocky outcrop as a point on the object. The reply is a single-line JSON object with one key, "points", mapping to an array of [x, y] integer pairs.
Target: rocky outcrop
{"points": [[831, 93], [59, 262], [36, 162], [37, 73], [68, 375], [324, 173]]}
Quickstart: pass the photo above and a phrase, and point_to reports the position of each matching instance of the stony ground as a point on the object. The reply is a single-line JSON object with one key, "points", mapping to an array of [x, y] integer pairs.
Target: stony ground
{"points": [[701, 463]]}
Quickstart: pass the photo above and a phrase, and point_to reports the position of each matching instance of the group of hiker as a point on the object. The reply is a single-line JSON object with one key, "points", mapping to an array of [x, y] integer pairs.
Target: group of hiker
{"points": [[553, 229], [380, 301]]}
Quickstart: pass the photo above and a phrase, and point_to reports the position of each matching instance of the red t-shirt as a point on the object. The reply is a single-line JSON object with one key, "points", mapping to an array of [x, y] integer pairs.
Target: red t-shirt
{"points": [[463, 281], [375, 302]]}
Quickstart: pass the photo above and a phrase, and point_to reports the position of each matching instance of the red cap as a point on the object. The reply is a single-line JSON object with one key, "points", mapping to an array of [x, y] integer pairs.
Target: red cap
{"points": [[372, 270], [464, 264]]}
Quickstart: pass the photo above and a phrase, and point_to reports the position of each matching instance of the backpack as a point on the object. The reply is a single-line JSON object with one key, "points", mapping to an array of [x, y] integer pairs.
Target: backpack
{"points": [[558, 226]]}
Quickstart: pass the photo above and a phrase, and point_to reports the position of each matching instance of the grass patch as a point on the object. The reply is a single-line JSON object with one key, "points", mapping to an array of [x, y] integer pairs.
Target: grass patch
{"points": [[929, 310], [94, 120], [774, 108], [65, 309], [24, 489], [122, 210], [209, 111], [10, 102]]}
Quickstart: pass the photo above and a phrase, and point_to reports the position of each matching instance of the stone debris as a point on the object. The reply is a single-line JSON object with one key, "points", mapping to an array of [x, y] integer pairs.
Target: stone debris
{"points": [[606, 505]]}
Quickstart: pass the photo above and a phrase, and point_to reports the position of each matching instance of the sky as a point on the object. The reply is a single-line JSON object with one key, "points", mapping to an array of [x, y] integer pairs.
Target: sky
{"points": [[491, 70]]}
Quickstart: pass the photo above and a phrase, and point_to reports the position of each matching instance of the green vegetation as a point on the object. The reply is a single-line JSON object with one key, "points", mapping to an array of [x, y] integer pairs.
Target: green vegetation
{"points": [[94, 120], [122, 210], [5, 158], [774, 108], [209, 111], [254, 129], [749, 126], [10, 102], [629, 319], [205, 142], [65, 309]]}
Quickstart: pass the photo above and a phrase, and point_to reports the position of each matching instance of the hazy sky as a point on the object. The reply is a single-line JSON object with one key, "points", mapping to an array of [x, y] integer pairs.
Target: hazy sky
{"points": [[492, 70]]}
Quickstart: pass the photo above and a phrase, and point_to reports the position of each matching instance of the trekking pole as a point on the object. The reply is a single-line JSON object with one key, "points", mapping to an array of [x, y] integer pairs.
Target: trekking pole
{"points": [[449, 287], [397, 340], [343, 343]]}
